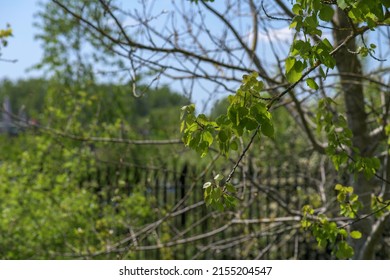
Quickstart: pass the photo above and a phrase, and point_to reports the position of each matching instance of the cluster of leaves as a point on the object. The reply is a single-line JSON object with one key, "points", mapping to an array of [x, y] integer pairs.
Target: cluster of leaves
{"points": [[327, 232], [340, 148], [246, 113], [306, 54], [45, 214], [218, 195], [198, 130], [370, 12], [348, 201], [344, 157], [4, 35], [307, 15], [379, 206], [303, 52], [53, 202]]}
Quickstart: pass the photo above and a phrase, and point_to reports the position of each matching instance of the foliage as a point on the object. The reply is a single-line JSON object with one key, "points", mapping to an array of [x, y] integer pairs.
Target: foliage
{"points": [[339, 142], [4, 35], [49, 208], [219, 196], [246, 112], [98, 110]]}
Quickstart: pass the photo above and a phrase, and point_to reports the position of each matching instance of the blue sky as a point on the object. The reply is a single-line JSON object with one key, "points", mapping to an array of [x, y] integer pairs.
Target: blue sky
{"points": [[22, 46], [27, 51]]}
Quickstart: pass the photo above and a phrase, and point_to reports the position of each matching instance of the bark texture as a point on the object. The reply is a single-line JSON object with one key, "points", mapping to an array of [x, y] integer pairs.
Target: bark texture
{"points": [[353, 92]]}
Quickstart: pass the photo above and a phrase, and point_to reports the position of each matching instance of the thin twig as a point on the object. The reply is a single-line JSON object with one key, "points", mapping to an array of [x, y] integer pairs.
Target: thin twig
{"points": [[366, 216], [243, 154]]}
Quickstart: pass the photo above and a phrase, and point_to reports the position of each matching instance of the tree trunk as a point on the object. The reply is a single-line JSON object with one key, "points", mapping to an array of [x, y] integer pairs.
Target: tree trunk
{"points": [[348, 62]]}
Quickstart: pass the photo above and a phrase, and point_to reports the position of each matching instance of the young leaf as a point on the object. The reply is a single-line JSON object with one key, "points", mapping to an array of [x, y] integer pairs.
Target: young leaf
{"points": [[208, 137], [230, 201], [356, 234], [290, 61], [294, 69], [342, 4], [230, 188], [344, 251], [234, 146], [326, 13], [267, 129], [343, 233], [297, 9], [218, 177], [223, 135], [311, 83]]}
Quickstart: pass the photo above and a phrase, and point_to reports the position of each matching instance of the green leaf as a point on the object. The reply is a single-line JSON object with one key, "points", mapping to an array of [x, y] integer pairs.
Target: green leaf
{"points": [[307, 209], [223, 135], [305, 224], [219, 206], [250, 124], [233, 115], [297, 9], [208, 199], [353, 198], [208, 137], [193, 140], [356, 234], [188, 109], [234, 146], [316, 4], [230, 201], [294, 69], [348, 190], [218, 177], [343, 233], [216, 193], [290, 61], [344, 251], [342, 4], [267, 129], [230, 188], [258, 111], [327, 44], [311, 83], [322, 243], [326, 13], [242, 112]]}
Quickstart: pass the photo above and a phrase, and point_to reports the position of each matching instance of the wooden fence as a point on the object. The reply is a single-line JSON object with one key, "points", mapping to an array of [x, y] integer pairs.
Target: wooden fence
{"points": [[265, 225]]}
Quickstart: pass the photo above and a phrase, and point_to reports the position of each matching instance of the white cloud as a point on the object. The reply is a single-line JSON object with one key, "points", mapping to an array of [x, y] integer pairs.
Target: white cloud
{"points": [[281, 35], [284, 34]]}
